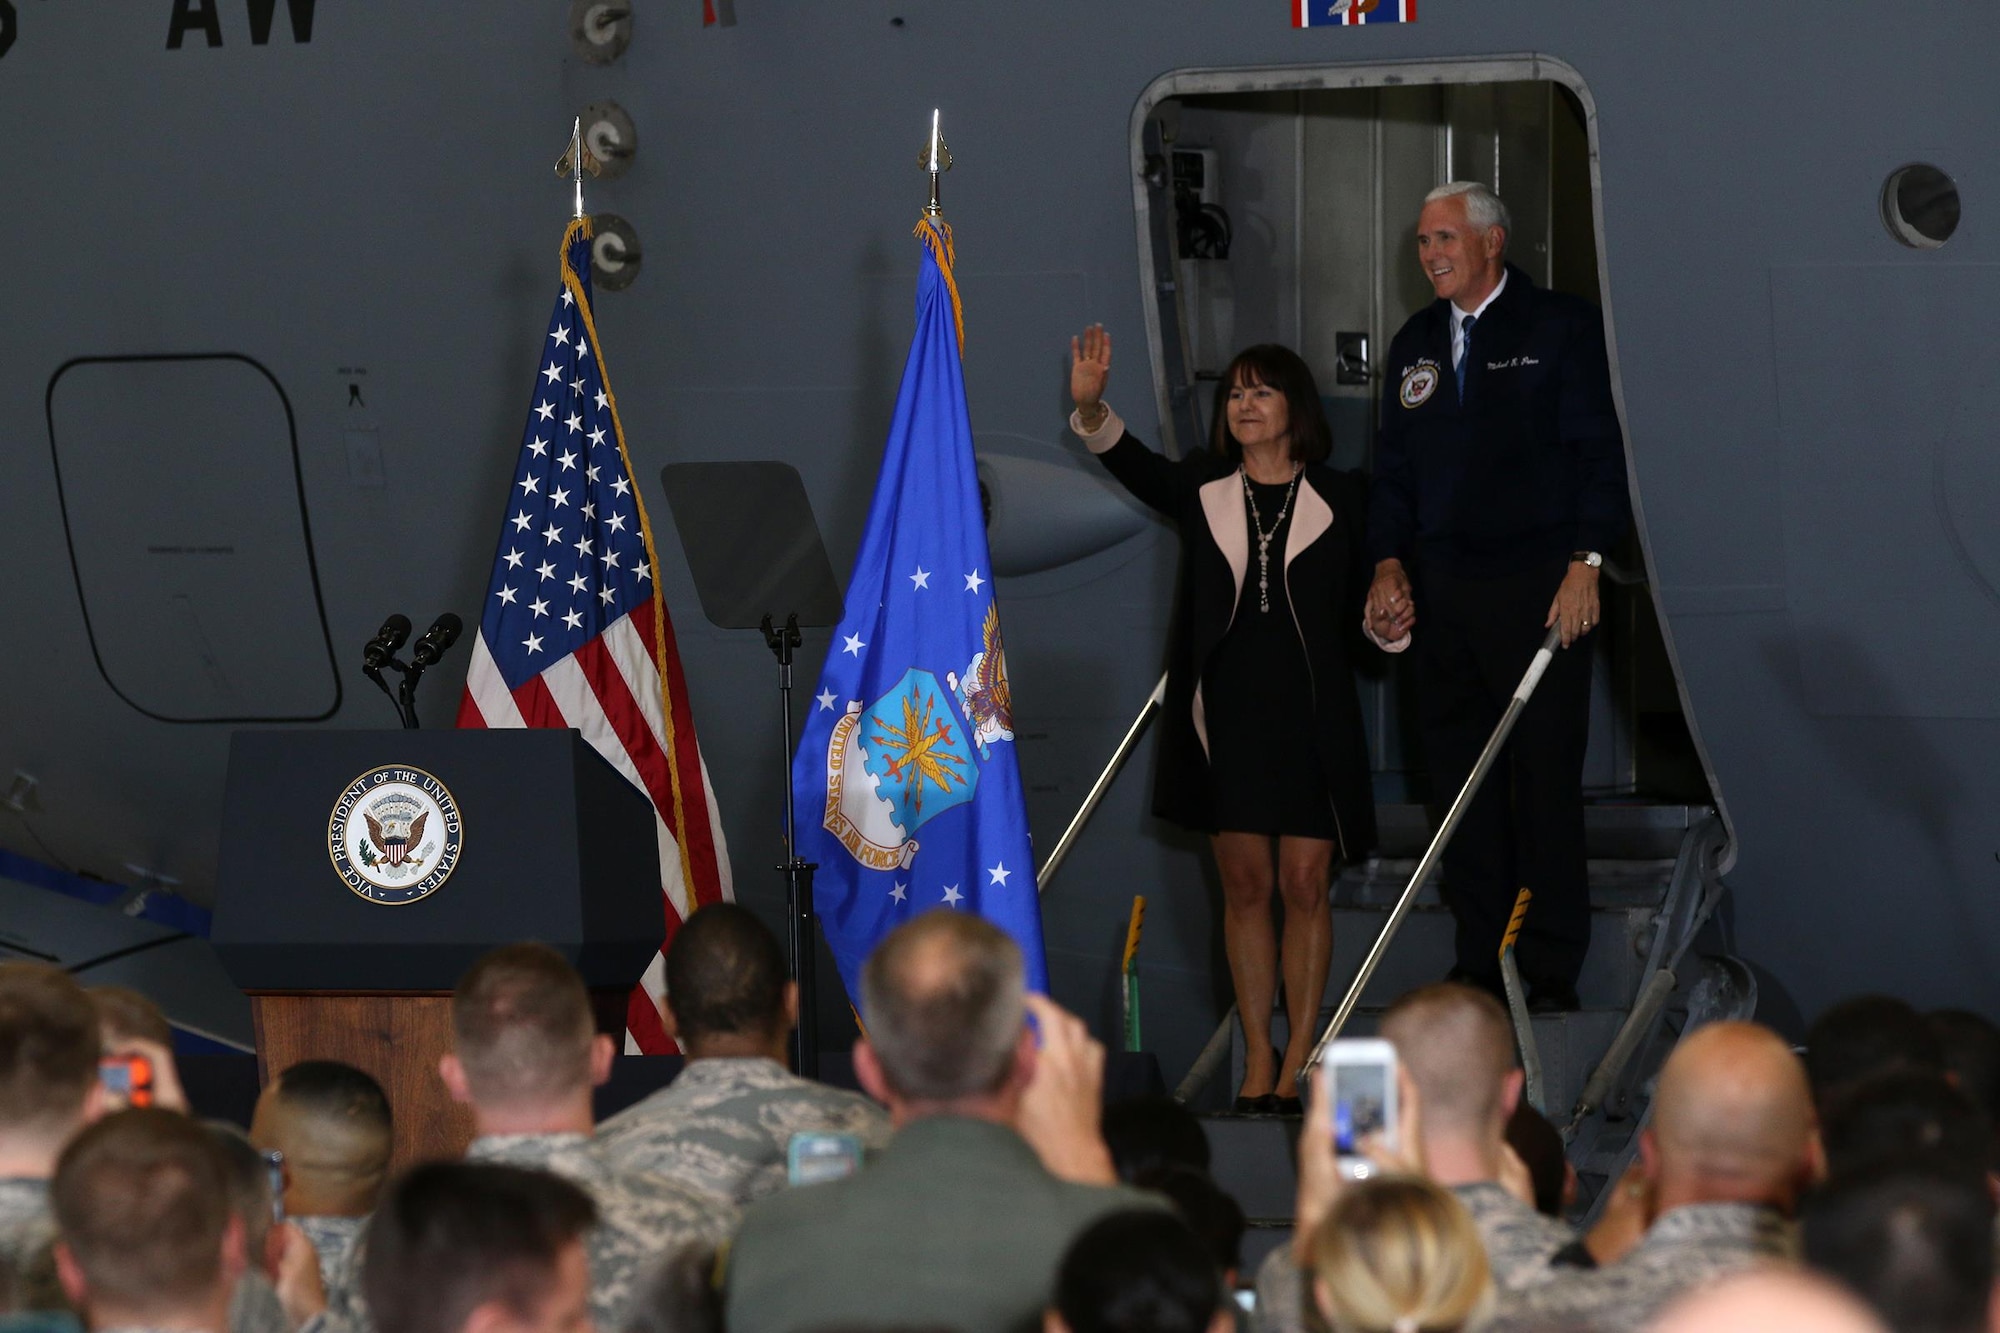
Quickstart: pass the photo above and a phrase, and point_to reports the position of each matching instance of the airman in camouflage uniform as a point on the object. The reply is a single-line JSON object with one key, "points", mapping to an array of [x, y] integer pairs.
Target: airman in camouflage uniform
{"points": [[331, 1237], [640, 1217], [725, 1125], [1686, 1248]]}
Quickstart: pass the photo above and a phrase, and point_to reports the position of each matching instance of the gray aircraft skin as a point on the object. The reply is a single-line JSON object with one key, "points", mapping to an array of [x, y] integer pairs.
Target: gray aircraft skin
{"points": [[357, 234]]}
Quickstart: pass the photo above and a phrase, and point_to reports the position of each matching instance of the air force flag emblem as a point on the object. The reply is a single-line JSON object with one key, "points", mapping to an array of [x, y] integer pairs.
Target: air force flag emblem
{"points": [[894, 766]]}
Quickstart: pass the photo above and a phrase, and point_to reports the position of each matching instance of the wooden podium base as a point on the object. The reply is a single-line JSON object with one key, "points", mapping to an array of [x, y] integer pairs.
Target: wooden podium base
{"points": [[398, 1037]]}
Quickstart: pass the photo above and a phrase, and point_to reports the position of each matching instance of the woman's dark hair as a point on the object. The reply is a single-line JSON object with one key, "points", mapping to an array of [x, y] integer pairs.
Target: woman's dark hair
{"points": [[1282, 369], [1138, 1272]]}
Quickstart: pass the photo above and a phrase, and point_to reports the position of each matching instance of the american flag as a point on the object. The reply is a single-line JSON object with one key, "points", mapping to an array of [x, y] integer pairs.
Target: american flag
{"points": [[574, 631]]}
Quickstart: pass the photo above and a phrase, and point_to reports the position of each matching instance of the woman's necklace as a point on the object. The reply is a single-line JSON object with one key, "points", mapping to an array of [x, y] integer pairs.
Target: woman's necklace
{"points": [[1263, 537]]}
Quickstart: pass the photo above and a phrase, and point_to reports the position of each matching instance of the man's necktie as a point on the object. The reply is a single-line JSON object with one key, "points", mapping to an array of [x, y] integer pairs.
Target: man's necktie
{"points": [[1464, 352]]}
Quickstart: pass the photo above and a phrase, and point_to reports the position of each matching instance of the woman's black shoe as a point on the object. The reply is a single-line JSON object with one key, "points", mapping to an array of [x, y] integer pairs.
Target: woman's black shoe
{"points": [[1264, 1105], [1287, 1105]]}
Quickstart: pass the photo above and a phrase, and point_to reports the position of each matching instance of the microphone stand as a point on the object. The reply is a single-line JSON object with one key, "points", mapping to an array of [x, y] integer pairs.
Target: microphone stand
{"points": [[798, 872]]}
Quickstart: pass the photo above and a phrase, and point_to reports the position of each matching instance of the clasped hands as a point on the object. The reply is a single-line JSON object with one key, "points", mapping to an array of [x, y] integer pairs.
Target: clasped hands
{"points": [[1392, 610]]}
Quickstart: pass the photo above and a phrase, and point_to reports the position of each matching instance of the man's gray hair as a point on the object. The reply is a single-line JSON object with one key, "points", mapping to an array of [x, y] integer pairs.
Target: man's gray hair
{"points": [[1483, 208], [942, 1004]]}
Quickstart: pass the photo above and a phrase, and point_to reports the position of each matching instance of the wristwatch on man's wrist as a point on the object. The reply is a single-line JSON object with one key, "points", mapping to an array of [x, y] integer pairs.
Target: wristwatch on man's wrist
{"points": [[1595, 559]]}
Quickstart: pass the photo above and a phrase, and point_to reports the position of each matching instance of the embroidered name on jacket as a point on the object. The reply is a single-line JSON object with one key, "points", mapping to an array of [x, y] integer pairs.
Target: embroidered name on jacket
{"points": [[1513, 363]]}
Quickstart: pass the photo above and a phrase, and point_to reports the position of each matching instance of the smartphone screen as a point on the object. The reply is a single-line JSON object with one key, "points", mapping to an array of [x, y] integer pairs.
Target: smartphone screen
{"points": [[1358, 1078], [1360, 1104], [814, 1158]]}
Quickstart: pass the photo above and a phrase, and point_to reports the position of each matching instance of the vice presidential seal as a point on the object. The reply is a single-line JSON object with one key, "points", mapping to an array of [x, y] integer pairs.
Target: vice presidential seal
{"points": [[394, 834], [1419, 383]]}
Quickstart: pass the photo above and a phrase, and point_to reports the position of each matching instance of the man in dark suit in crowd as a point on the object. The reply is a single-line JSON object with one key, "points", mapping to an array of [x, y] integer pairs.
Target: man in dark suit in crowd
{"points": [[996, 1165], [1499, 486]]}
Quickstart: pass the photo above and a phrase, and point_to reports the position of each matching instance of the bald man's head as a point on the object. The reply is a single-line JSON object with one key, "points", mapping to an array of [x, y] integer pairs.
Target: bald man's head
{"points": [[1767, 1299], [1732, 1120], [1459, 1048]]}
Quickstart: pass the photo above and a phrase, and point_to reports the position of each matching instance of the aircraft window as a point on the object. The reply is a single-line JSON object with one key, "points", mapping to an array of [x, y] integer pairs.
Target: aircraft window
{"points": [[1920, 206], [184, 507]]}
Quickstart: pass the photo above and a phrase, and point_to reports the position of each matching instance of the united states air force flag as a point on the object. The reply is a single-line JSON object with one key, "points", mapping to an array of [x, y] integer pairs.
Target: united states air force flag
{"points": [[1351, 13], [908, 792]]}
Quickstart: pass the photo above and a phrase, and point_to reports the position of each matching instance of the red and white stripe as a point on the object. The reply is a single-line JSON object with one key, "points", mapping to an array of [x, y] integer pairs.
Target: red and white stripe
{"points": [[611, 691]]}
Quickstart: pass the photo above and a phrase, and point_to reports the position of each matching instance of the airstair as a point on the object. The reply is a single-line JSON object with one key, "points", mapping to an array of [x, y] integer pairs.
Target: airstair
{"points": [[1653, 894]]}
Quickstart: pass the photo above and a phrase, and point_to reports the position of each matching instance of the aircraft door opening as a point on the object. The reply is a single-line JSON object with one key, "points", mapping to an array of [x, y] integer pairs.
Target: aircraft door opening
{"points": [[1279, 206]]}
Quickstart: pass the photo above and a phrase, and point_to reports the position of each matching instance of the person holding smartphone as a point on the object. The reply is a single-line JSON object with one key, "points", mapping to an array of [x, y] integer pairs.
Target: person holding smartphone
{"points": [[1261, 740]]}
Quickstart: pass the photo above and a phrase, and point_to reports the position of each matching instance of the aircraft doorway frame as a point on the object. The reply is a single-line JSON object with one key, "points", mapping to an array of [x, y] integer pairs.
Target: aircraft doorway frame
{"points": [[1154, 229]]}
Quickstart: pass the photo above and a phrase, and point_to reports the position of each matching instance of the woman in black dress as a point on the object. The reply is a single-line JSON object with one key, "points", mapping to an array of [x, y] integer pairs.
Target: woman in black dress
{"points": [[1261, 742]]}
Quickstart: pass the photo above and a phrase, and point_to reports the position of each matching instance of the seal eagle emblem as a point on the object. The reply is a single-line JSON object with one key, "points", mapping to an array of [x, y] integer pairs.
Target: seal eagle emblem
{"points": [[394, 834]]}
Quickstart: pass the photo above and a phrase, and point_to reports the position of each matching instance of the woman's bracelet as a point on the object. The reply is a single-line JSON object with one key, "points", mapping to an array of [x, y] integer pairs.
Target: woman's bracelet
{"points": [[1093, 418]]}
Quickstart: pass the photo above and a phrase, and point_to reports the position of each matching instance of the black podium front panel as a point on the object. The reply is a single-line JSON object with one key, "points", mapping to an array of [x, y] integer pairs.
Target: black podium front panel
{"points": [[552, 844]]}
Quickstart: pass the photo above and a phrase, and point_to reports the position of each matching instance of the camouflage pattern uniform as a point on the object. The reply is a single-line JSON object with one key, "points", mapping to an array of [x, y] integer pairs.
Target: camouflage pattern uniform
{"points": [[640, 1217], [724, 1126], [331, 1236], [1519, 1242], [1686, 1248], [26, 1225], [27, 1230]]}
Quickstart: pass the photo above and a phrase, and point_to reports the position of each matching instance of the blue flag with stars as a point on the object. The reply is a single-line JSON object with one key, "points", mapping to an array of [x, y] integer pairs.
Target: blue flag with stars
{"points": [[908, 790]]}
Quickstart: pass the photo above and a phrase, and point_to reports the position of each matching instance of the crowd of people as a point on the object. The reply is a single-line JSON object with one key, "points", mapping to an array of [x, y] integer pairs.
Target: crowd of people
{"points": [[985, 1187]]}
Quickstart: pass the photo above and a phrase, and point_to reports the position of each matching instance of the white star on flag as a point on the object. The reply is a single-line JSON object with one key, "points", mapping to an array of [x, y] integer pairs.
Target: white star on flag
{"points": [[999, 873], [506, 595], [513, 559], [825, 698], [952, 897], [972, 581], [852, 645], [920, 579]]}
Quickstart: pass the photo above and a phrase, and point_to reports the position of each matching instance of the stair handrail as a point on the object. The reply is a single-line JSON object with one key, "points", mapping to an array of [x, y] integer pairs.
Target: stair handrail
{"points": [[1693, 894], [1060, 852], [1453, 817]]}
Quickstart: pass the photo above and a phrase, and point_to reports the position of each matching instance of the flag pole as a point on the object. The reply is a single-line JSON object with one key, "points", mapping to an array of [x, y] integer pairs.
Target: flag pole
{"points": [[576, 164]]}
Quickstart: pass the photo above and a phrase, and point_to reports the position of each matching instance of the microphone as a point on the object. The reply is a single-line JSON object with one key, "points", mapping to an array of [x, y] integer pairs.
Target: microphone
{"points": [[442, 634], [385, 643]]}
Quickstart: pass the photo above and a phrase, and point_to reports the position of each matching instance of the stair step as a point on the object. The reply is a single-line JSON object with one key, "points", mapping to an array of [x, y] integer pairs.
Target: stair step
{"points": [[1378, 881], [1425, 948], [1261, 1236], [1620, 831]]}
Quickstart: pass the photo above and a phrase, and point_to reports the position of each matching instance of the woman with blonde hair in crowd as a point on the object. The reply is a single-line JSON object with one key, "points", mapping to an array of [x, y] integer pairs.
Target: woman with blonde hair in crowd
{"points": [[1398, 1254]]}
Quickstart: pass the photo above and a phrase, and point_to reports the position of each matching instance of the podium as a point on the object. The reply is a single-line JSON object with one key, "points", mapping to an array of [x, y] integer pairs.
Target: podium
{"points": [[362, 872]]}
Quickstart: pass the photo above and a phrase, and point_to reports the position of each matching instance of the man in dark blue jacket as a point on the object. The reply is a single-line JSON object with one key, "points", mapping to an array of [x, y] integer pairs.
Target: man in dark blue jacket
{"points": [[1499, 486]]}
